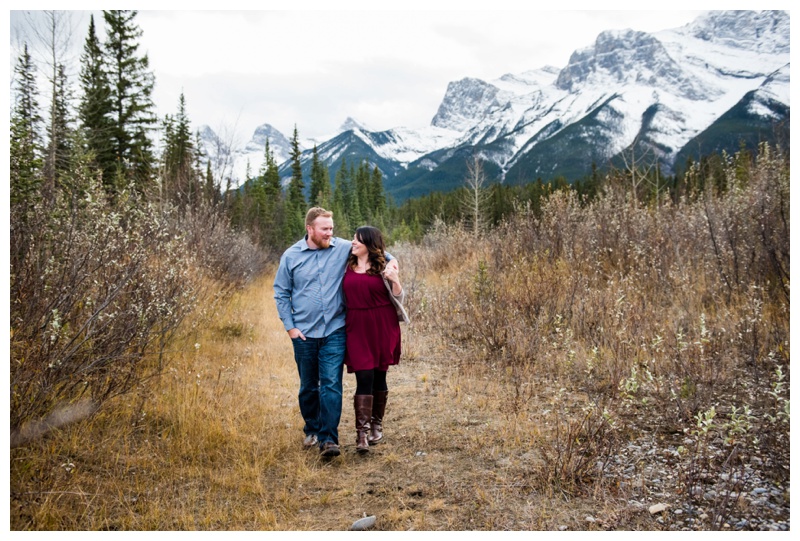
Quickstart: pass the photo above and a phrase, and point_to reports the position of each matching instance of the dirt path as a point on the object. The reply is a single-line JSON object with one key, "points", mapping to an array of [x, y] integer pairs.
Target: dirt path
{"points": [[444, 465]]}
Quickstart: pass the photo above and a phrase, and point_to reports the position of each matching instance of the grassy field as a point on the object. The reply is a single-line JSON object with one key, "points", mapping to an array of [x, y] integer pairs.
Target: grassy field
{"points": [[604, 366], [216, 445]]}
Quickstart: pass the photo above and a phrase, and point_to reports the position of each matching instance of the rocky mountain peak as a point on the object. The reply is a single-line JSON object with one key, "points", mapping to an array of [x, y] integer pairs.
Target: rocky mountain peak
{"points": [[465, 103], [624, 56], [352, 124], [760, 31]]}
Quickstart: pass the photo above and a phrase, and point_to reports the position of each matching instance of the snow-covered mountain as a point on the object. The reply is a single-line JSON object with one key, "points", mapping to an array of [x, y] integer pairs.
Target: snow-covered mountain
{"points": [[664, 92]]}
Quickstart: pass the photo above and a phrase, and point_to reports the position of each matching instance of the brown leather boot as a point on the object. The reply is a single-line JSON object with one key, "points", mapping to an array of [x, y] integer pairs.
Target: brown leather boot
{"points": [[378, 409], [363, 407]]}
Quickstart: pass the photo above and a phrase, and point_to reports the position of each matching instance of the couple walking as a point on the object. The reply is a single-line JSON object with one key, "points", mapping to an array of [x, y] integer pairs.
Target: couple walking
{"points": [[341, 304]]}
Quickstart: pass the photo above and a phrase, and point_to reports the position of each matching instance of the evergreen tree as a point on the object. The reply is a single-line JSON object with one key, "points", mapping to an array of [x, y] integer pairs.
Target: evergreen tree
{"points": [[362, 190], [211, 187], [297, 201], [25, 152], [321, 195], [258, 209], [345, 201], [180, 180], [59, 130], [95, 108], [376, 193], [131, 88], [352, 201], [294, 223], [275, 204], [340, 186]]}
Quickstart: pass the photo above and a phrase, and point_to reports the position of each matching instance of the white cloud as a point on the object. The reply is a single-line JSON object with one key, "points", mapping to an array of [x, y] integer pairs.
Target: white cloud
{"points": [[386, 68]]}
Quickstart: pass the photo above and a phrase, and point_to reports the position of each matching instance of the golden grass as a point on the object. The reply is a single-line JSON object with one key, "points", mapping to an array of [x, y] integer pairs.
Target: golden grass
{"points": [[215, 444], [493, 408]]}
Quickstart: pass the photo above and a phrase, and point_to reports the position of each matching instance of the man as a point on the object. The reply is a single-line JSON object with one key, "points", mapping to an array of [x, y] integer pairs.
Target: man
{"points": [[308, 293]]}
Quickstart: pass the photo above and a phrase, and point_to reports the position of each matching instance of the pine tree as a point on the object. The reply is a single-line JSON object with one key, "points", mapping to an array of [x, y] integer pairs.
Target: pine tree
{"points": [[95, 108], [211, 190], [297, 201], [362, 185], [234, 207], [258, 209], [377, 195], [26, 149], [321, 195], [352, 200], [345, 202], [340, 186], [294, 223], [275, 204], [180, 180], [131, 88], [59, 130]]}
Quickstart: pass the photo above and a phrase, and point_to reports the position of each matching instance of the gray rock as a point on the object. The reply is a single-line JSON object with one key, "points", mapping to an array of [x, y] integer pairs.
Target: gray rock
{"points": [[363, 523]]}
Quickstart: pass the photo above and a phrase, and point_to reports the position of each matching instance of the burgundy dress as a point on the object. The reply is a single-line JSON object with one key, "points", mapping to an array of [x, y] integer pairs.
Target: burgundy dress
{"points": [[372, 327]]}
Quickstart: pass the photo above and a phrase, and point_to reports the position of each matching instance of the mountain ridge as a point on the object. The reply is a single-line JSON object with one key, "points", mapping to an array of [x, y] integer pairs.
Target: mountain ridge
{"points": [[661, 90]]}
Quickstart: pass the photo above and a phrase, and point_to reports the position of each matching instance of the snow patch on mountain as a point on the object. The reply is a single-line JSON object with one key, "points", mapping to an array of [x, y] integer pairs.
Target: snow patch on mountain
{"points": [[666, 86]]}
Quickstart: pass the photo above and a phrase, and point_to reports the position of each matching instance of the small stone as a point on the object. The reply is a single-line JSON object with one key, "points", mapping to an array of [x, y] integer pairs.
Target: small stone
{"points": [[563, 528], [657, 508], [363, 523]]}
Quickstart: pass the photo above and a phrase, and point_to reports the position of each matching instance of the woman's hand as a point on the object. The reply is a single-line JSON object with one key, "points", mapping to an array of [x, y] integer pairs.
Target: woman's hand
{"points": [[392, 274]]}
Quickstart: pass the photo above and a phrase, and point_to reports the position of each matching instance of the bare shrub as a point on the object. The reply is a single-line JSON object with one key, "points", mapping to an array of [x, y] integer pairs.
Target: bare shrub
{"points": [[97, 292], [665, 310], [576, 447], [223, 253]]}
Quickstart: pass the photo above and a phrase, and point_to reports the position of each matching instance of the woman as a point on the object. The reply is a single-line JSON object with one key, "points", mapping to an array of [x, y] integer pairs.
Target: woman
{"points": [[374, 296]]}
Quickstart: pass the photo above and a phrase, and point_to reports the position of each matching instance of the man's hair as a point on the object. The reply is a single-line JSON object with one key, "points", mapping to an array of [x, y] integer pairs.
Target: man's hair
{"points": [[315, 212]]}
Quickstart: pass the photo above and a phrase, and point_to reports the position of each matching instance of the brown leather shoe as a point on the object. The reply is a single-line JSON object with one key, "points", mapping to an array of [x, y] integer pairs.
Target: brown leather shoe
{"points": [[362, 404], [329, 449], [376, 423], [310, 441]]}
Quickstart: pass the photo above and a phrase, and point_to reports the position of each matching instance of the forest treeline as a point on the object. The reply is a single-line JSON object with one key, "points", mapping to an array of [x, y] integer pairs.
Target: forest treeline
{"points": [[121, 226]]}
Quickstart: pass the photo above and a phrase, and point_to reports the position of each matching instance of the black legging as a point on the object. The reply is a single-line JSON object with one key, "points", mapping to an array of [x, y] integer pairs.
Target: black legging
{"points": [[369, 381]]}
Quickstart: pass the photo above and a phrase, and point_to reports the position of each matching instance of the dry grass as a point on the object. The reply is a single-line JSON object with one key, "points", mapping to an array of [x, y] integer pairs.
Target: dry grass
{"points": [[560, 374], [214, 444]]}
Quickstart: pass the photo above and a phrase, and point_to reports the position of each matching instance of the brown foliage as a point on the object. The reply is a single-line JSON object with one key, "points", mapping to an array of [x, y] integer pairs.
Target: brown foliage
{"points": [[97, 291]]}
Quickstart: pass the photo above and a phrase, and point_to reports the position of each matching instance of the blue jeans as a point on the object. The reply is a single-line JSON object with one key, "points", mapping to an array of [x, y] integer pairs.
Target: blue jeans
{"points": [[319, 363]]}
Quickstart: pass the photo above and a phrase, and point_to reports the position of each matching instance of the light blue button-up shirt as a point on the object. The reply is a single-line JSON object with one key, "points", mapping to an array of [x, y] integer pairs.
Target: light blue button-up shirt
{"points": [[308, 287]]}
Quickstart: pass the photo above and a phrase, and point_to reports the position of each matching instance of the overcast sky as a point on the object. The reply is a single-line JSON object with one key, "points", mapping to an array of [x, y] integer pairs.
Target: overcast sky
{"points": [[314, 68]]}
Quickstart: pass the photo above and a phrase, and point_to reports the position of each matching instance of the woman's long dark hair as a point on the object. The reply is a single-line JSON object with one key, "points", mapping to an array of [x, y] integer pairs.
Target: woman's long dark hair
{"points": [[372, 238]]}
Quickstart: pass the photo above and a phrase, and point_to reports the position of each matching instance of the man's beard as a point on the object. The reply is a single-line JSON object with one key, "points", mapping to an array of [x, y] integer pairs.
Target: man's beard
{"points": [[320, 242]]}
